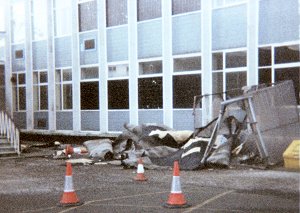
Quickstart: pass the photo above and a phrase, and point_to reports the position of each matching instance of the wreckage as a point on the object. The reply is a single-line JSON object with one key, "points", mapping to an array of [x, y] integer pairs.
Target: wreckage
{"points": [[255, 127]]}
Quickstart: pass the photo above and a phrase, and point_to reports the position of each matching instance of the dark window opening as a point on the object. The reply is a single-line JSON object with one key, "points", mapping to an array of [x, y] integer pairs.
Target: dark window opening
{"points": [[87, 15], [150, 93], [184, 6], [184, 90], [118, 94], [236, 59], [114, 18], [89, 44], [148, 9], [19, 54], [287, 54], [234, 83], [265, 56], [265, 76], [290, 74], [89, 95]]}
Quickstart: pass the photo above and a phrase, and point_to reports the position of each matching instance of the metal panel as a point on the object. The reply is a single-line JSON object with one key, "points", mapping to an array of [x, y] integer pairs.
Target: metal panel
{"points": [[64, 120], [20, 120], [90, 121], [117, 44], [116, 120], [18, 64], [39, 55], [186, 33], [41, 120], [88, 56], [151, 116], [63, 52], [184, 120]]}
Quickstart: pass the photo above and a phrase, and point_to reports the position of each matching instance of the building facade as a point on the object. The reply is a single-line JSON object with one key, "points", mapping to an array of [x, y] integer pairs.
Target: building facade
{"points": [[89, 66]]}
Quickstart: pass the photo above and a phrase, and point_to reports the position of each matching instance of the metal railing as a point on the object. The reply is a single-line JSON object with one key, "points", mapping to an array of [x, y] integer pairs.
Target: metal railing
{"points": [[10, 131]]}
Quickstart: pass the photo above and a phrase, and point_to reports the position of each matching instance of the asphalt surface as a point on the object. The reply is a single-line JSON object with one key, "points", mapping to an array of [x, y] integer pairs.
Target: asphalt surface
{"points": [[36, 183]]}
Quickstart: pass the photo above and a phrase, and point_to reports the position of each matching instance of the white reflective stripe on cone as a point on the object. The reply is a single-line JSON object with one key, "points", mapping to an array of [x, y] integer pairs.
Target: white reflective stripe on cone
{"points": [[176, 187], [77, 150], [140, 168], [68, 184]]}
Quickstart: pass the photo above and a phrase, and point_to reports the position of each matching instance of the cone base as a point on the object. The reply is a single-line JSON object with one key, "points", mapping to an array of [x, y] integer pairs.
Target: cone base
{"points": [[70, 199], [176, 206], [176, 200], [140, 177]]}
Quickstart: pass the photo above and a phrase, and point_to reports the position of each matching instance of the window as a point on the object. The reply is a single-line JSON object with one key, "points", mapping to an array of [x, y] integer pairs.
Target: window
{"points": [[224, 3], [63, 89], [185, 87], [89, 44], [62, 17], [148, 9], [39, 19], [19, 91], [217, 61], [19, 54], [150, 93], [236, 59], [265, 56], [234, 83], [116, 11], [184, 6], [89, 88], [121, 70], [287, 54], [87, 14], [118, 94], [40, 90], [217, 82], [150, 67], [18, 21], [187, 64]]}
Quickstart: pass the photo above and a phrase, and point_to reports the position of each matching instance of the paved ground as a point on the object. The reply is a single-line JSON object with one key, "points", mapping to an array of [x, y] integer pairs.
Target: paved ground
{"points": [[35, 184]]}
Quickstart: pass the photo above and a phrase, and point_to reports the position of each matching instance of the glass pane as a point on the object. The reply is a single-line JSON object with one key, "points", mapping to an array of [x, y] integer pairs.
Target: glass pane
{"points": [[217, 61], [63, 21], [290, 74], [185, 87], [15, 98], [22, 98], [36, 98], [39, 19], [150, 67], [22, 79], [44, 97], [58, 96], [265, 56], [18, 21], [118, 94], [217, 86], [150, 93], [114, 18], [57, 76], [89, 73], [187, 64], [236, 59], [118, 71], [87, 14], [43, 77], [265, 76], [287, 54], [35, 77], [89, 44], [148, 9], [184, 6], [19, 54], [89, 95], [234, 83], [67, 96], [67, 75]]}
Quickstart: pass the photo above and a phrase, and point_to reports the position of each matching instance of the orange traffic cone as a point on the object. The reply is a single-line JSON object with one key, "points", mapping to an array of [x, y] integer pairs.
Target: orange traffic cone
{"points": [[176, 198], [140, 171], [69, 197], [70, 150]]}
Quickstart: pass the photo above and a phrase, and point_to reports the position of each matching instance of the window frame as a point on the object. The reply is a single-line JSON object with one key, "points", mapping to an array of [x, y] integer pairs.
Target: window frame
{"points": [[61, 84], [16, 91], [39, 85]]}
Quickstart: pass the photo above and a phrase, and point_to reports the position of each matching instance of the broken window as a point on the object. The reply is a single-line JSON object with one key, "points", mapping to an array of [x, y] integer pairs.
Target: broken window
{"points": [[150, 93], [148, 9], [118, 94], [19, 91], [40, 90], [185, 87], [89, 88], [187, 64], [185, 6], [114, 18], [64, 89], [87, 14], [151, 67]]}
